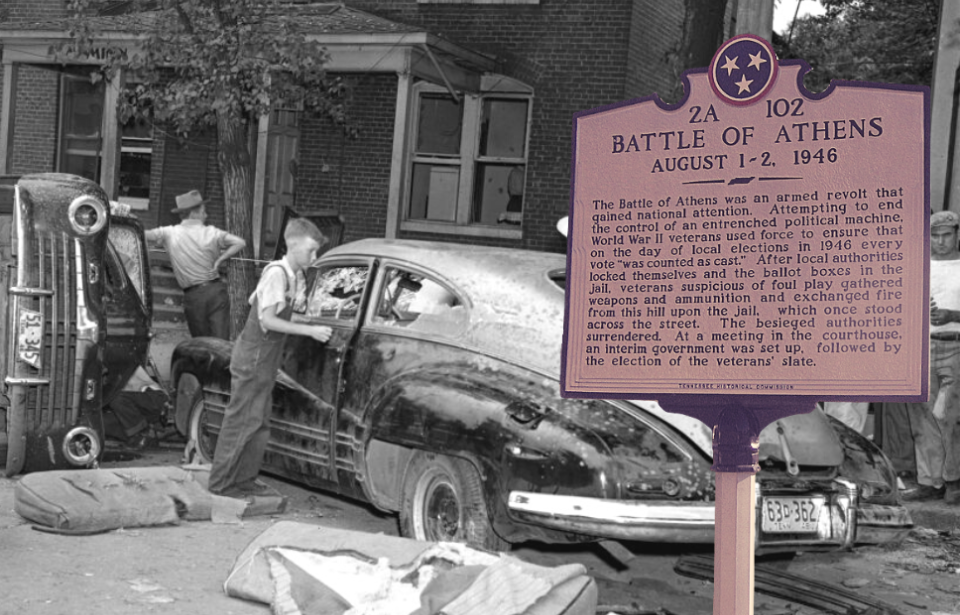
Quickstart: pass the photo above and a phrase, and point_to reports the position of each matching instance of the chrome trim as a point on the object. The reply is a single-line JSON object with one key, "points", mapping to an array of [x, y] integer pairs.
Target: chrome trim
{"points": [[615, 511], [86, 199], [693, 522], [76, 435], [24, 291], [29, 382], [88, 329]]}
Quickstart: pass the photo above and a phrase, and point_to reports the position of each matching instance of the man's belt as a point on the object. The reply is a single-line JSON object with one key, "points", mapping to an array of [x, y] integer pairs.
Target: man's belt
{"points": [[946, 336], [201, 285]]}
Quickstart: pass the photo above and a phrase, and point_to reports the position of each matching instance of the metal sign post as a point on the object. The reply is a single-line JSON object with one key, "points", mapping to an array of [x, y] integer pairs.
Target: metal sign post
{"points": [[745, 253]]}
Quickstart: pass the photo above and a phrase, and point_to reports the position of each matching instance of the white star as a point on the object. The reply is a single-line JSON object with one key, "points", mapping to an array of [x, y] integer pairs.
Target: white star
{"points": [[744, 84], [756, 60], [731, 65]]}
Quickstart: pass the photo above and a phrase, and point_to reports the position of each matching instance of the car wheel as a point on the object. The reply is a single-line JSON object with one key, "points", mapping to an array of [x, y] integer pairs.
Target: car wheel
{"points": [[443, 501], [201, 431]]}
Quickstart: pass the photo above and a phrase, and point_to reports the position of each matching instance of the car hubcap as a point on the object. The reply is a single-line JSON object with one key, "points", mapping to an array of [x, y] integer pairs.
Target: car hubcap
{"points": [[442, 511], [206, 435]]}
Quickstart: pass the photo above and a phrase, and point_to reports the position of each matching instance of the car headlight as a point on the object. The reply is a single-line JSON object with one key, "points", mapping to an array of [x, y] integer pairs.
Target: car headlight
{"points": [[87, 215]]}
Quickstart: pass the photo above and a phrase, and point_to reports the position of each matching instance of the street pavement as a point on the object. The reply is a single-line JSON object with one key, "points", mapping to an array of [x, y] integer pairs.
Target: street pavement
{"points": [[180, 569]]}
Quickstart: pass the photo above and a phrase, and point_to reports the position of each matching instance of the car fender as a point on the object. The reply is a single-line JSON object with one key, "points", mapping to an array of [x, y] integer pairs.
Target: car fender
{"points": [[510, 435], [194, 361]]}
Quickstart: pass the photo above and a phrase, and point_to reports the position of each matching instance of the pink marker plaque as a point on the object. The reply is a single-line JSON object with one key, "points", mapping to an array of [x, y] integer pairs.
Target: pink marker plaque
{"points": [[744, 253], [755, 239]]}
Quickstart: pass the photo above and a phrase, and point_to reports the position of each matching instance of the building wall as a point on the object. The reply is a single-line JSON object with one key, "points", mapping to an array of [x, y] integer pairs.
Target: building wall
{"points": [[655, 31], [35, 131], [351, 175], [28, 10], [575, 56]]}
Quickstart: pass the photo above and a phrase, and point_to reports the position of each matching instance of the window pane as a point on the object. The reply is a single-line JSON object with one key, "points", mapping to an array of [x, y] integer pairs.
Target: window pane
{"points": [[503, 128], [441, 121], [411, 300], [337, 293], [498, 197], [82, 112], [84, 166], [134, 174], [433, 194]]}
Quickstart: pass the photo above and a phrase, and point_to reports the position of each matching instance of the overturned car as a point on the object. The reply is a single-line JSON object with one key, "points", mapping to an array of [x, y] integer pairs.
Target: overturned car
{"points": [[437, 398], [75, 299]]}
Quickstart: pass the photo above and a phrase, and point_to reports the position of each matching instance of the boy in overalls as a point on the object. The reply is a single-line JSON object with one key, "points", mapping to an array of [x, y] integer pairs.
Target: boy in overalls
{"points": [[255, 360]]}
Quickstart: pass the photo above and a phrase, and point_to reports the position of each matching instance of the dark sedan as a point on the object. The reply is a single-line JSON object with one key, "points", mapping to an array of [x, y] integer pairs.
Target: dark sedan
{"points": [[438, 398]]}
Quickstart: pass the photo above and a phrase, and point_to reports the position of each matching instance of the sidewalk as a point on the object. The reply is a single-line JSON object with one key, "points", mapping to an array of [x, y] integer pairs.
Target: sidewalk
{"points": [[934, 515]]}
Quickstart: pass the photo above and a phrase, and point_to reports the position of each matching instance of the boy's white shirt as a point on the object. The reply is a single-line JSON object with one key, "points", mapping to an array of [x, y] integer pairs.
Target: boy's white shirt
{"points": [[273, 290]]}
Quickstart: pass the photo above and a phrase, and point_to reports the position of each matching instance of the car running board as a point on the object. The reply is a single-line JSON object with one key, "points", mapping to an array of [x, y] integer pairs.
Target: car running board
{"points": [[824, 596]]}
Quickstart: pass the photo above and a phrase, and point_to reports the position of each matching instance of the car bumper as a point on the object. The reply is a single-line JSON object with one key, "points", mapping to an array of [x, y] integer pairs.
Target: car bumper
{"points": [[843, 521]]}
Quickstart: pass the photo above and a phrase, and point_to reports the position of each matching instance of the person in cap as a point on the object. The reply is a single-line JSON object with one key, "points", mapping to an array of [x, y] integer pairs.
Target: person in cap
{"points": [[197, 250], [934, 423]]}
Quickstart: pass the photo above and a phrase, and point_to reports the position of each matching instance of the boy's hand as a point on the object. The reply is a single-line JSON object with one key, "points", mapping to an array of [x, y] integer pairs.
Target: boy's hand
{"points": [[321, 333]]}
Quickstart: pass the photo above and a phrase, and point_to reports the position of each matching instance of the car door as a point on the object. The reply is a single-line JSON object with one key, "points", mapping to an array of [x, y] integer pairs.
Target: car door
{"points": [[309, 396]]}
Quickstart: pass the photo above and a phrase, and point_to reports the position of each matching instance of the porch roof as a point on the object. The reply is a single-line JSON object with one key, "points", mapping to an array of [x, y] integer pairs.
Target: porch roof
{"points": [[356, 40]]}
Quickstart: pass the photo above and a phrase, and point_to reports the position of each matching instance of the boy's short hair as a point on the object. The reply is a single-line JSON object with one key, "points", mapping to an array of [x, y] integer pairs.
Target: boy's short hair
{"points": [[299, 229]]}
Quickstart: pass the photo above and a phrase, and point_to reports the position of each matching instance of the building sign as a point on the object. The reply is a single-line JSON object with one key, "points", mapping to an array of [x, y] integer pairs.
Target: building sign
{"points": [[755, 239]]}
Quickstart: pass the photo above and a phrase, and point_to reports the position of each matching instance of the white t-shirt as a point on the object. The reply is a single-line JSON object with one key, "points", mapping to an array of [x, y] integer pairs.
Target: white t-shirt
{"points": [[193, 248], [945, 290]]}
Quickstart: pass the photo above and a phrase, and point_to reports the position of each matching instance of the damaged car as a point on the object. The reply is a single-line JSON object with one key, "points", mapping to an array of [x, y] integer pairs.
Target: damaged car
{"points": [[437, 398]]}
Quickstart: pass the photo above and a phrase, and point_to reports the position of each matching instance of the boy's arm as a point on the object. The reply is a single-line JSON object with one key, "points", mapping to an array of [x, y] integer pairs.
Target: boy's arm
{"points": [[271, 322]]}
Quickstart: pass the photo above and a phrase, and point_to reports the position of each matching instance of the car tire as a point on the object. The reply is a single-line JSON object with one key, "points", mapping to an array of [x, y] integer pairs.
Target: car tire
{"points": [[442, 500], [200, 434]]}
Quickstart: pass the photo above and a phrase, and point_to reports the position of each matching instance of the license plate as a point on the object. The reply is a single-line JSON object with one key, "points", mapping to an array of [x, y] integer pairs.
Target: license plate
{"points": [[30, 337], [790, 514]]}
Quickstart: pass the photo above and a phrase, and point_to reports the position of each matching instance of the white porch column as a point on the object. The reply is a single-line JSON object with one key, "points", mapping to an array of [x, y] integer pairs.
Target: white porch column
{"points": [[111, 141], [8, 108], [398, 161]]}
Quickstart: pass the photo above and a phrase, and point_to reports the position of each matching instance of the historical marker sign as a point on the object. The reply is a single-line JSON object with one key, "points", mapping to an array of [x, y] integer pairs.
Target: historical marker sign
{"points": [[755, 239]]}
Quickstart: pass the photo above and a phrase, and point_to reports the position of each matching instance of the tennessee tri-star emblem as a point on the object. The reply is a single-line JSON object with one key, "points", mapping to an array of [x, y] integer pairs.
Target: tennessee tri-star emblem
{"points": [[743, 69]]}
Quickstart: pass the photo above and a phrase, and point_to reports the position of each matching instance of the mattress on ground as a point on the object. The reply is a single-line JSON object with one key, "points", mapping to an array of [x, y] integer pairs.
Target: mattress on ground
{"points": [[303, 569], [93, 500]]}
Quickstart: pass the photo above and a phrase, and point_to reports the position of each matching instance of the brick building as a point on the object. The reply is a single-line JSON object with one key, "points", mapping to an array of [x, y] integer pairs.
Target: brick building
{"points": [[464, 110]]}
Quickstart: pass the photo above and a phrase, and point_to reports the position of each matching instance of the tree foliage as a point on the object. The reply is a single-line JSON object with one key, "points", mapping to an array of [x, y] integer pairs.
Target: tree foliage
{"points": [[883, 41], [199, 64]]}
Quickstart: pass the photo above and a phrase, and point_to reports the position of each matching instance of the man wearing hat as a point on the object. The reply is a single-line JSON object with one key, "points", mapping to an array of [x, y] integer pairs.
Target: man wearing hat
{"points": [[196, 252], [934, 423]]}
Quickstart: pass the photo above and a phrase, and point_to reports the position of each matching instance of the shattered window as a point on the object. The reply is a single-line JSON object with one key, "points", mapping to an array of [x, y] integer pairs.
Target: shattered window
{"points": [[337, 292], [124, 240]]}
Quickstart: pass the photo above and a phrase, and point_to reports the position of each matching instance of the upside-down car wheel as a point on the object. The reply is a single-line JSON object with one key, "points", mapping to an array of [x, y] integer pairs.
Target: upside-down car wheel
{"points": [[201, 430]]}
